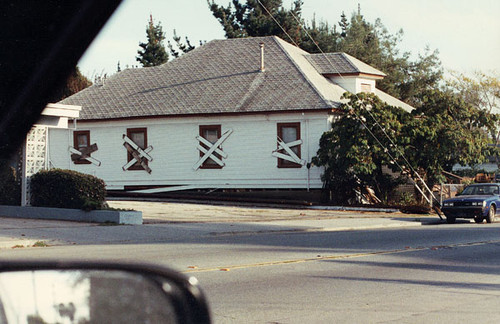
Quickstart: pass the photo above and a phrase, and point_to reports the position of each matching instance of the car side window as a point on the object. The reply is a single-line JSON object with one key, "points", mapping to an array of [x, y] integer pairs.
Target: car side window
{"points": [[491, 190]]}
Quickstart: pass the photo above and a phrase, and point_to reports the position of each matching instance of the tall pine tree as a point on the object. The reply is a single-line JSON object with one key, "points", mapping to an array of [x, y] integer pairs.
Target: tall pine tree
{"points": [[370, 43], [343, 23], [153, 52], [259, 18], [182, 47]]}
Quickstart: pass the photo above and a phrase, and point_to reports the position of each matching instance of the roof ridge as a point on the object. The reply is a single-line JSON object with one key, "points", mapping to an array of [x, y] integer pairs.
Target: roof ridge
{"points": [[355, 61], [347, 58], [300, 70]]}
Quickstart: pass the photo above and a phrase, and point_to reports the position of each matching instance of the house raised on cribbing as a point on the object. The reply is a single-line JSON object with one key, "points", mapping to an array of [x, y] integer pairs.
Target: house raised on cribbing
{"points": [[235, 113]]}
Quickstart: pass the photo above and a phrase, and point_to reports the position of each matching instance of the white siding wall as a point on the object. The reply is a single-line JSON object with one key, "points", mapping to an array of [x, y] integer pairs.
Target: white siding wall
{"points": [[352, 83], [58, 153], [249, 148]]}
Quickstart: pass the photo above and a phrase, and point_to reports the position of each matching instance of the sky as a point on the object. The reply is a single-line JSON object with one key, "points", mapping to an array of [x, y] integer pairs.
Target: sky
{"points": [[466, 33]]}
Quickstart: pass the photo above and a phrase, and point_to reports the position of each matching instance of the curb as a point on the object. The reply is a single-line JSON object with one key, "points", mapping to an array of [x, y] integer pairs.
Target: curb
{"points": [[75, 215]]}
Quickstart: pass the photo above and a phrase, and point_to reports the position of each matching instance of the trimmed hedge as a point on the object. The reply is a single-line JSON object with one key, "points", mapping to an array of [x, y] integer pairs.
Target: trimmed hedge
{"points": [[10, 188], [67, 189]]}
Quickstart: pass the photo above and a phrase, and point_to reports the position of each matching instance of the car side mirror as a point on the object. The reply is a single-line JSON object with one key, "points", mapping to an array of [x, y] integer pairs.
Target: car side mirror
{"points": [[99, 293]]}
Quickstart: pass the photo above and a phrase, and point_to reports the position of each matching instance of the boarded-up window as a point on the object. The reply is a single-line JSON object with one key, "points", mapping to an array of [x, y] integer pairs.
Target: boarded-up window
{"points": [[81, 142], [366, 87], [140, 137], [288, 133], [211, 133]]}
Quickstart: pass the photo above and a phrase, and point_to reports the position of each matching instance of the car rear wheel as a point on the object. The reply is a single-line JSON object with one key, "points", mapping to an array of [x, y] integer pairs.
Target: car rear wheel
{"points": [[479, 219], [450, 220], [491, 215]]}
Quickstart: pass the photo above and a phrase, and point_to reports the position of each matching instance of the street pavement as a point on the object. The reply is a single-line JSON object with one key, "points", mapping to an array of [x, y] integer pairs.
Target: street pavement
{"points": [[201, 218]]}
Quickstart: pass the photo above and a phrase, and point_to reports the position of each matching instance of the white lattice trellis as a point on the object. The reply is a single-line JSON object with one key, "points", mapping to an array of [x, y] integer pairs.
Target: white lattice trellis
{"points": [[35, 157]]}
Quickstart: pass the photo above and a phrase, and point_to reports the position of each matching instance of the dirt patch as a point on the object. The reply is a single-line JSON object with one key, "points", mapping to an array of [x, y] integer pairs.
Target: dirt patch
{"points": [[159, 212]]}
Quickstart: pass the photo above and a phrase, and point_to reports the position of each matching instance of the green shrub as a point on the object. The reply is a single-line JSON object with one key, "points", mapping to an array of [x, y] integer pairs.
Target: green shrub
{"points": [[406, 199], [10, 188], [67, 189]]}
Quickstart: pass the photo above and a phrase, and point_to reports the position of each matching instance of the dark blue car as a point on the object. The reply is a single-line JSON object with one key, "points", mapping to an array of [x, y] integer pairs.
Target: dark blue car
{"points": [[479, 201]]}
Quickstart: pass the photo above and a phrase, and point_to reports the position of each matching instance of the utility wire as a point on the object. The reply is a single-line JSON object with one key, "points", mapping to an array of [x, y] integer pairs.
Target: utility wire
{"points": [[362, 103], [390, 155], [279, 25]]}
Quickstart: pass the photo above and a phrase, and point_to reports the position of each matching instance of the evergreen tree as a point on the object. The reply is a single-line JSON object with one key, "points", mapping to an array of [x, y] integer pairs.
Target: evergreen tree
{"points": [[182, 47], [253, 19], [374, 45], [153, 52], [320, 37], [370, 43], [343, 23]]}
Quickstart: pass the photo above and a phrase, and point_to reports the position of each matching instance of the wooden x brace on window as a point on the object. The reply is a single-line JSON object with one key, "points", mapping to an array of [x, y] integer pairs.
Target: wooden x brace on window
{"points": [[140, 155], [287, 147], [212, 148], [84, 154]]}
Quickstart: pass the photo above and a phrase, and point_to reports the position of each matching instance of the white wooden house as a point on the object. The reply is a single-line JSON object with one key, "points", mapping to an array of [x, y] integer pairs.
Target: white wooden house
{"points": [[236, 113]]}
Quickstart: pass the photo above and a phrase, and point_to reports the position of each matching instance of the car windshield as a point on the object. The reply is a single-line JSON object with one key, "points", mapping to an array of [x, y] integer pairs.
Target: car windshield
{"points": [[243, 166], [480, 190]]}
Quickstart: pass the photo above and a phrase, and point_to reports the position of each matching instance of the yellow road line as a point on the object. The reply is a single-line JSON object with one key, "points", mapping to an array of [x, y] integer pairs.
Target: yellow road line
{"points": [[271, 263], [333, 257]]}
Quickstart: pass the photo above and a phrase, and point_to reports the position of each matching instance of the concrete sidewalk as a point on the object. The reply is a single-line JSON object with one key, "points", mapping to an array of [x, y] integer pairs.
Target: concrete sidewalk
{"points": [[18, 233], [202, 219]]}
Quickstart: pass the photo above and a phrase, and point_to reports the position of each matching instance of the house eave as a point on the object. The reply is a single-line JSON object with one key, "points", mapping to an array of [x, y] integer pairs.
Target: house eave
{"points": [[359, 75], [60, 110], [225, 114]]}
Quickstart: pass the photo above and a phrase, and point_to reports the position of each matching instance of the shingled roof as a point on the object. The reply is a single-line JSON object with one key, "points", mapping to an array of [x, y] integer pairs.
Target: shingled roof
{"points": [[222, 76], [341, 63]]}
